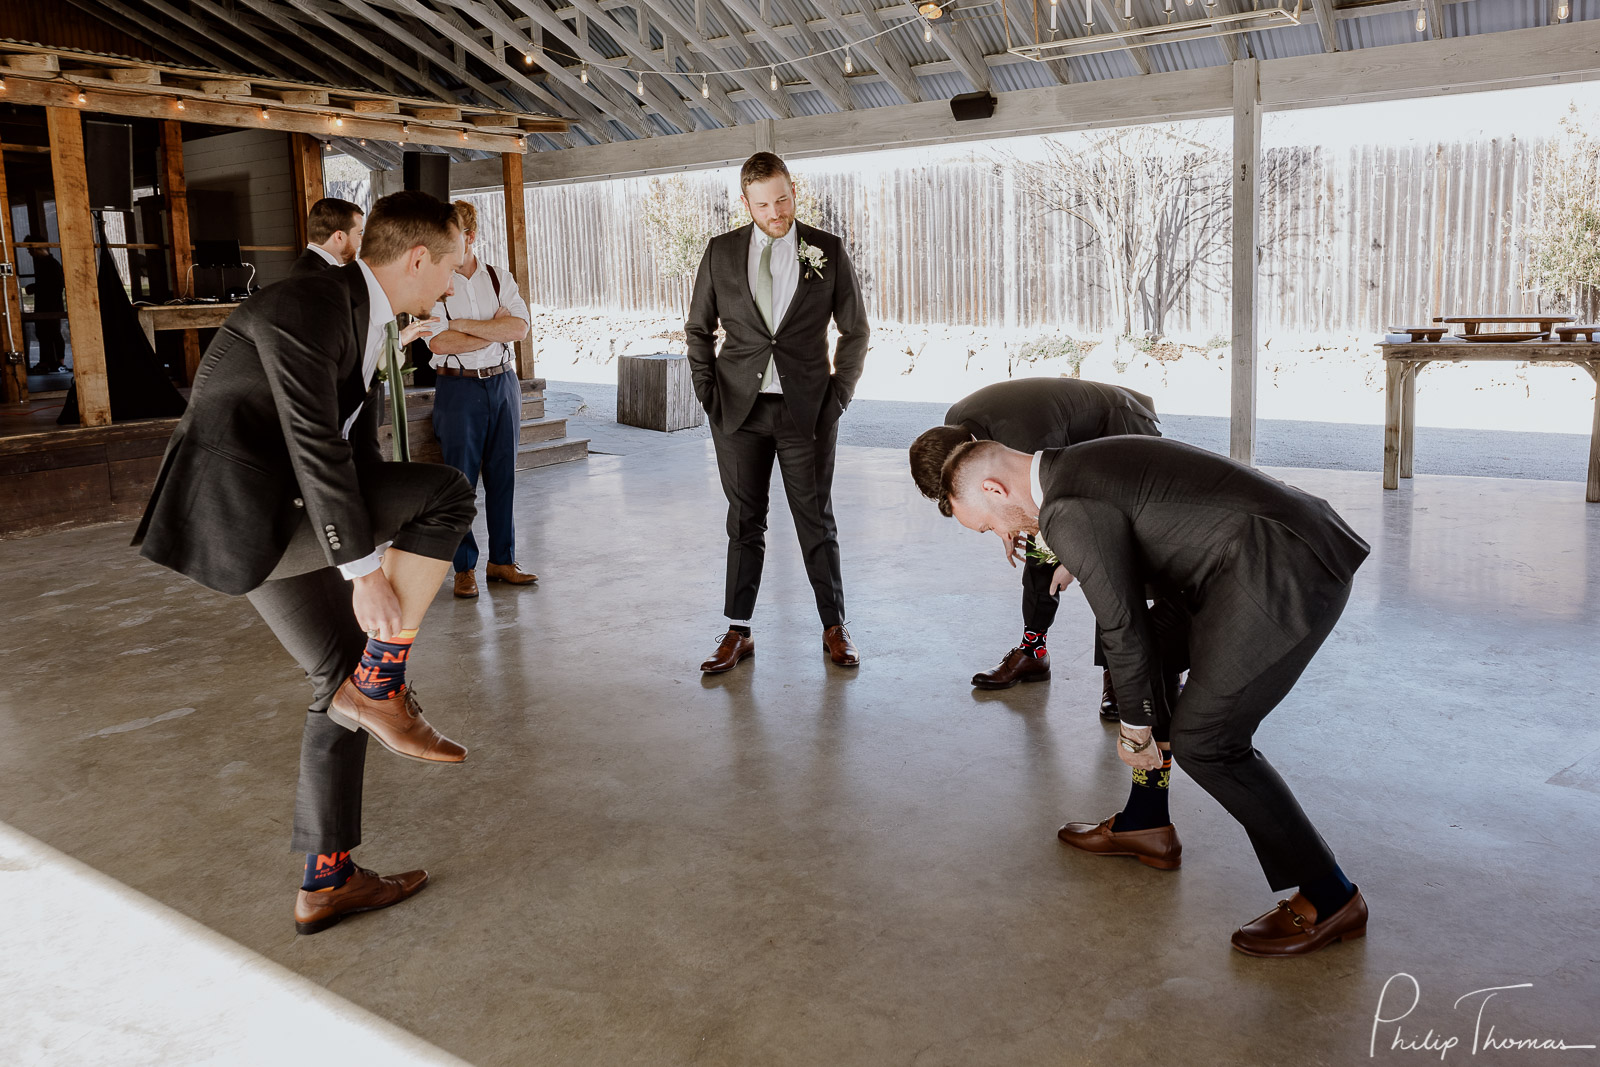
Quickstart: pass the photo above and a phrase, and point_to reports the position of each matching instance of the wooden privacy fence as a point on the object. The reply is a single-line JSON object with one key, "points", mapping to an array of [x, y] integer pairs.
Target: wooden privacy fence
{"points": [[1353, 240]]}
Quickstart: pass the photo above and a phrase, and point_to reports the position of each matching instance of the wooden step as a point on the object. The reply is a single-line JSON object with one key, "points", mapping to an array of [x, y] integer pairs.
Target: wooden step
{"points": [[537, 430], [547, 452]]}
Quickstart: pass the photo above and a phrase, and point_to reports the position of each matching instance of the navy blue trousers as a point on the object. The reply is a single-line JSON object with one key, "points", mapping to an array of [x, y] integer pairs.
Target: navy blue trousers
{"points": [[478, 422]]}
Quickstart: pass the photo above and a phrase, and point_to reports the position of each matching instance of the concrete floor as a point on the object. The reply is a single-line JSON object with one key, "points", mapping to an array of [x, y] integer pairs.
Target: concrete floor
{"points": [[791, 864]]}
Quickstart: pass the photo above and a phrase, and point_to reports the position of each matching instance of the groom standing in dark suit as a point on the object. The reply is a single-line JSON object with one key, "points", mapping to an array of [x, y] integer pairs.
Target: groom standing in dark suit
{"points": [[273, 487], [1257, 571], [770, 392]]}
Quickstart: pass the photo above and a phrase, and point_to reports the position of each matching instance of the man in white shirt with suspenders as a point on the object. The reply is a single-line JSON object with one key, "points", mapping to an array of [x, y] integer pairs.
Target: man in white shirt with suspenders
{"points": [[477, 407]]}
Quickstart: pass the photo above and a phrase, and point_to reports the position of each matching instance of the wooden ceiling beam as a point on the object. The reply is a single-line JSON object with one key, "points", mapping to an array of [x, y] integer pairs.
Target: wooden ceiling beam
{"points": [[881, 53], [755, 86], [819, 70], [717, 102], [415, 75], [1327, 24], [167, 33], [252, 62], [283, 17]]}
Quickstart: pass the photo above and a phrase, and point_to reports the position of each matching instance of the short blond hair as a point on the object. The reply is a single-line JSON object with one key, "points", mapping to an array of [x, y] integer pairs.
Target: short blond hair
{"points": [[467, 216]]}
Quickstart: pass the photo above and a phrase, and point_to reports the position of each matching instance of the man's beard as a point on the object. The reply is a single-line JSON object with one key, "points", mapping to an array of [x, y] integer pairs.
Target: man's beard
{"points": [[1019, 521], [787, 224]]}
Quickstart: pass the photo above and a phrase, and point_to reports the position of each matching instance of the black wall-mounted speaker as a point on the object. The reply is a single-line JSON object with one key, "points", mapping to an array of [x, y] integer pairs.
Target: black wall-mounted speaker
{"points": [[979, 105], [428, 172], [108, 151]]}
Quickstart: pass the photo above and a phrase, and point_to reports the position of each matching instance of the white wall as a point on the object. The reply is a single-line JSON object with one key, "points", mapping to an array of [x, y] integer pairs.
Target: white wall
{"points": [[255, 166]]}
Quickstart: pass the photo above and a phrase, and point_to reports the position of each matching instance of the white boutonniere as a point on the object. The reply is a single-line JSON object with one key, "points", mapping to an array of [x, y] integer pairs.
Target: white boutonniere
{"points": [[811, 259], [1040, 552]]}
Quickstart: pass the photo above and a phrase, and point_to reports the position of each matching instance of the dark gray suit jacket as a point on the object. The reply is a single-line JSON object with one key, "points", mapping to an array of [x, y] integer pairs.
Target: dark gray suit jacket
{"points": [[260, 445], [1254, 561], [309, 262], [1032, 414], [728, 380]]}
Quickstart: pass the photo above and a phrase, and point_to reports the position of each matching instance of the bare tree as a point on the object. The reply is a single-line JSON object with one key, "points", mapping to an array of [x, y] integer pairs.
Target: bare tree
{"points": [[1565, 240]]}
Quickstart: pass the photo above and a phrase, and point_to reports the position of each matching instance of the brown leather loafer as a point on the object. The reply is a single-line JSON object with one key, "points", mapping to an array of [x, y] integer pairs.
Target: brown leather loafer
{"points": [[365, 891], [842, 650], [735, 647], [466, 584], [1293, 928], [509, 573], [1020, 665], [397, 724], [1158, 847], [1108, 701]]}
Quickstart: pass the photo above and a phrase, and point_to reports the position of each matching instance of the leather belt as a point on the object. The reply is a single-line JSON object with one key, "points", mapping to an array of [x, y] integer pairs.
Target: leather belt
{"points": [[474, 372]]}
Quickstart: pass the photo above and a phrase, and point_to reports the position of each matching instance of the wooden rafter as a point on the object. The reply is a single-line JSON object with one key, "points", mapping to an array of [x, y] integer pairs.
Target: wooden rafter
{"points": [[250, 59], [958, 43], [1138, 56], [1324, 10], [175, 37], [1021, 15], [752, 84], [283, 18], [716, 102], [823, 71], [894, 65]]}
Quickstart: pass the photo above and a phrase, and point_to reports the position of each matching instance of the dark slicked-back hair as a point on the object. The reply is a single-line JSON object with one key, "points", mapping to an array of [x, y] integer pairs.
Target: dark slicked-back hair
{"points": [[928, 454], [402, 221], [957, 471], [760, 167], [329, 216]]}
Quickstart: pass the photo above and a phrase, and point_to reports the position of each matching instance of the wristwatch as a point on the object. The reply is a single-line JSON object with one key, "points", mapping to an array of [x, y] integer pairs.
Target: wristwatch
{"points": [[1128, 742]]}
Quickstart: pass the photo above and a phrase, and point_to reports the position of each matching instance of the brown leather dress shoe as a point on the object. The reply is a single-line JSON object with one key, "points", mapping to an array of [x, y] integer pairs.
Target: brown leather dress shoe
{"points": [[396, 723], [842, 650], [509, 573], [1020, 665], [1293, 928], [1158, 847], [466, 584], [1108, 701], [735, 647], [365, 891]]}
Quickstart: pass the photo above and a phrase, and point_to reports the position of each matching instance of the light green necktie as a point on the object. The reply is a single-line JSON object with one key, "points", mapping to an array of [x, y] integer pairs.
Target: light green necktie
{"points": [[764, 305], [397, 392]]}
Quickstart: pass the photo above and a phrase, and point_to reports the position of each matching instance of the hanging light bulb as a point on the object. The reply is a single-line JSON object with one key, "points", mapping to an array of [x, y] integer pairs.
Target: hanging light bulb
{"points": [[583, 75], [522, 142], [82, 99], [463, 135], [527, 58], [1422, 19], [1562, 11], [638, 88], [772, 83], [849, 67], [263, 114], [178, 102], [1088, 12], [705, 88], [2, 85], [337, 121], [362, 142], [1054, 6], [927, 31]]}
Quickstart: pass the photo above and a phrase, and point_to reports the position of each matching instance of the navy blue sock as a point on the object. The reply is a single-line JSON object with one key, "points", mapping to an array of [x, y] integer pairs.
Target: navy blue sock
{"points": [[1329, 893], [1146, 808], [327, 870]]}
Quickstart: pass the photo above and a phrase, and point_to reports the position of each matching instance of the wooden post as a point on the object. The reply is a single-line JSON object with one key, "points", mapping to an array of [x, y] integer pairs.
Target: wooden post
{"points": [[1394, 372], [517, 246], [176, 188], [13, 342], [1246, 200], [306, 151], [77, 261], [1592, 491]]}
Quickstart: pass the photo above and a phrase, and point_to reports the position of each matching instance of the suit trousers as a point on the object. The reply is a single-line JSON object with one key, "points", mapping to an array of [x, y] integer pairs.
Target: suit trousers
{"points": [[478, 422], [418, 506], [1039, 605], [1212, 740], [744, 460]]}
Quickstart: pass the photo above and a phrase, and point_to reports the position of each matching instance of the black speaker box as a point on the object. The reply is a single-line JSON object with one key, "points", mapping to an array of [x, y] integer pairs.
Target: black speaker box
{"points": [[108, 154], [428, 172], [979, 105]]}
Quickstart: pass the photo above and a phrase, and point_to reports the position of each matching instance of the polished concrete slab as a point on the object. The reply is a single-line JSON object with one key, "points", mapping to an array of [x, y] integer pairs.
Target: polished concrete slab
{"points": [[792, 864]]}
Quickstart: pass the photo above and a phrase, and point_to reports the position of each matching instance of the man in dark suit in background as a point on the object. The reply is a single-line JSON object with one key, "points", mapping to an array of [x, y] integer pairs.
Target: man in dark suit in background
{"points": [[769, 391], [1261, 570], [273, 487], [1031, 414], [333, 229]]}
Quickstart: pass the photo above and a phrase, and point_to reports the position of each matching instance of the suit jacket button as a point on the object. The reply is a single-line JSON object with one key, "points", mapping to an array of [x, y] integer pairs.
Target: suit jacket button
{"points": [[328, 528]]}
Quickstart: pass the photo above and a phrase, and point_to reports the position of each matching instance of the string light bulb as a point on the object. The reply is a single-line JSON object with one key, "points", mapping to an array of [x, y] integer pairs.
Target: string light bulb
{"points": [[1422, 19], [927, 31], [263, 114], [583, 74], [527, 58], [849, 66], [705, 88], [338, 120], [463, 135], [82, 98], [1054, 6], [1562, 11], [178, 102], [2, 85], [638, 86], [772, 83]]}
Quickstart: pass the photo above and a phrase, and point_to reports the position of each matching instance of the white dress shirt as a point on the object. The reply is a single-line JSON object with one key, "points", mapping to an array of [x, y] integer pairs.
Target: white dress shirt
{"points": [[332, 262], [785, 277], [379, 314], [474, 299]]}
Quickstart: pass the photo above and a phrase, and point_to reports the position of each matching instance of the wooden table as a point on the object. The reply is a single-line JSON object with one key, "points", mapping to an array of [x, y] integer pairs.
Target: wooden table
{"points": [[155, 317], [1472, 322], [1402, 362]]}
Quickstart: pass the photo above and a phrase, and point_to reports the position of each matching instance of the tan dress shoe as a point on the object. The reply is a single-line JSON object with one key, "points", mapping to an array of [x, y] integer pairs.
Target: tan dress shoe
{"points": [[1158, 847], [842, 650], [365, 891], [509, 573], [466, 584], [735, 646], [1293, 928], [396, 723], [1020, 665]]}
